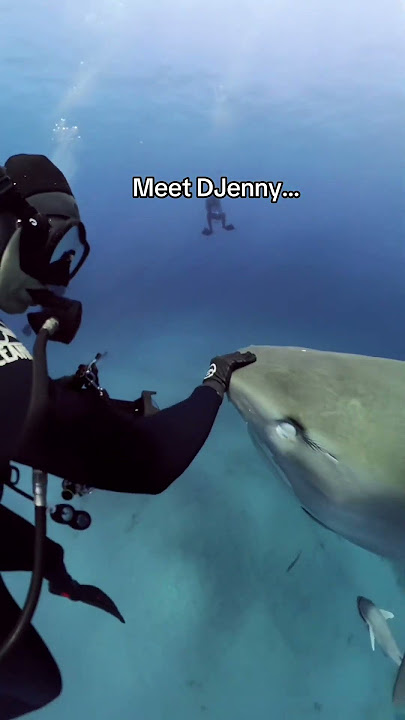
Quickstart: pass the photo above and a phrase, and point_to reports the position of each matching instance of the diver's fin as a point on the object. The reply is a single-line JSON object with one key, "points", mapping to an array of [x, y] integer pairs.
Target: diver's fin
{"points": [[88, 594], [91, 595], [387, 614], [372, 637], [398, 693]]}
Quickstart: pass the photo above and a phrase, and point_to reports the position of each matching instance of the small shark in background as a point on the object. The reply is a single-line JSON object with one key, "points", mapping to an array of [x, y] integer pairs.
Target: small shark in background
{"points": [[380, 633], [376, 620]]}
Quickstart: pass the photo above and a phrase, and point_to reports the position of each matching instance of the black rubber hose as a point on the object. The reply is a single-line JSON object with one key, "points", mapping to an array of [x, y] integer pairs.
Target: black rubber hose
{"points": [[34, 590], [40, 384], [33, 422]]}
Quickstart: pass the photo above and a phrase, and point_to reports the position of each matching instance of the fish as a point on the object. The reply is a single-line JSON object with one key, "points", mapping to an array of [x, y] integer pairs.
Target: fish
{"points": [[294, 562], [332, 427], [380, 633], [376, 619]]}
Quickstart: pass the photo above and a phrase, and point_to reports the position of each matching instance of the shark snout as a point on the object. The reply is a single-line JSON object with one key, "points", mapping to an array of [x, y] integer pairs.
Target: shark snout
{"points": [[363, 605]]}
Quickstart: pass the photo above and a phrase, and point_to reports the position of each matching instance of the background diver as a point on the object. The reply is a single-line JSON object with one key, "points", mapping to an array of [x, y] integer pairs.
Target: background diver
{"points": [[114, 449], [215, 214]]}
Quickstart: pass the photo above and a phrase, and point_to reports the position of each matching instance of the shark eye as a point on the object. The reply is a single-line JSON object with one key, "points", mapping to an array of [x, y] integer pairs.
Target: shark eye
{"points": [[290, 428], [286, 430]]}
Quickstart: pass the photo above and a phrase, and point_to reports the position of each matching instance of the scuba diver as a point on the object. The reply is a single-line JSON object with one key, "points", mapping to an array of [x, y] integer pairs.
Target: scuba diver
{"points": [[81, 433], [216, 214]]}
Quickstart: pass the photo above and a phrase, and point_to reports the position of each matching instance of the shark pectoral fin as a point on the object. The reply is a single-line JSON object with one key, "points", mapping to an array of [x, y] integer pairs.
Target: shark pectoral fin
{"points": [[387, 614], [372, 637], [398, 694]]}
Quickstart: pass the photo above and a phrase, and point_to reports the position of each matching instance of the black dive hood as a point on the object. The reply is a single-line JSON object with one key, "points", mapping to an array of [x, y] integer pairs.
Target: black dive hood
{"points": [[42, 242]]}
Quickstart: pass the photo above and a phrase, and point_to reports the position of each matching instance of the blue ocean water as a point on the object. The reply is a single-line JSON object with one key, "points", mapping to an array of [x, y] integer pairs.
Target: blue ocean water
{"points": [[310, 94]]}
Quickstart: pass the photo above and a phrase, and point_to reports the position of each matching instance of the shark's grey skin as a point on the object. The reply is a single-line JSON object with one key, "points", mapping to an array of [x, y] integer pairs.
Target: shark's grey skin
{"points": [[344, 457]]}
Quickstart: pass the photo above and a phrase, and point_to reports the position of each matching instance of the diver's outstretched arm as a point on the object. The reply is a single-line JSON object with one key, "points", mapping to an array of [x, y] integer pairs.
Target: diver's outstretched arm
{"points": [[88, 439], [173, 437]]}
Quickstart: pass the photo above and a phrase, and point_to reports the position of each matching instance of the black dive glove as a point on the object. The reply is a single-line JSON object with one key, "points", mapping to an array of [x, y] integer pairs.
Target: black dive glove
{"points": [[222, 367], [87, 594]]}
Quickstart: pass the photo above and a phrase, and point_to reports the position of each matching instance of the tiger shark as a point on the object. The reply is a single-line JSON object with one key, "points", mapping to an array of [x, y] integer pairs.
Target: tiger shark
{"points": [[333, 426]]}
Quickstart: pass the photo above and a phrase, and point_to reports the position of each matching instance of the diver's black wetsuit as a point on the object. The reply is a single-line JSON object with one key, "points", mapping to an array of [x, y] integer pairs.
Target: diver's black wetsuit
{"points": [[89, 440], [29, 676], [92, 442]]}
